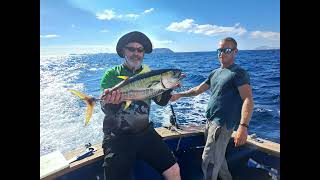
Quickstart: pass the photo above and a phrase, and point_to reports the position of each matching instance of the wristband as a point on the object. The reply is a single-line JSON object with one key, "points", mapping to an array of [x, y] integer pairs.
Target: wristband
{"points": [[245, 125]]}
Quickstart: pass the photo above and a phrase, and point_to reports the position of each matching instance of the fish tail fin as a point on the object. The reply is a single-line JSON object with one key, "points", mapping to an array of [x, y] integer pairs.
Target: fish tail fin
{"points": [[89, 112], [90, 101], [79, 94]]}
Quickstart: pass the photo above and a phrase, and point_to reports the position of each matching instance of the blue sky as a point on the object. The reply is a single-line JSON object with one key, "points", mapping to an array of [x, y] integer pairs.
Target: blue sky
{"points": [[93, 26]]}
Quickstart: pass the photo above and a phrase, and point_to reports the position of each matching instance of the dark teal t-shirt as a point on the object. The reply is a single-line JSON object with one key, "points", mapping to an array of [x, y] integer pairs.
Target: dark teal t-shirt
{"points": [[225, 102]]}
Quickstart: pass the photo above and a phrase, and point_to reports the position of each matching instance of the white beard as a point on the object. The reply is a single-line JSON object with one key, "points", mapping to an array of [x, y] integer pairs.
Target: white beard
{"points": [[133, 65]]}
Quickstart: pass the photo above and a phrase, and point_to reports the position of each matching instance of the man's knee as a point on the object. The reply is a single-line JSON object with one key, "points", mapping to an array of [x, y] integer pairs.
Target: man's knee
{"points": [[173, 171]]}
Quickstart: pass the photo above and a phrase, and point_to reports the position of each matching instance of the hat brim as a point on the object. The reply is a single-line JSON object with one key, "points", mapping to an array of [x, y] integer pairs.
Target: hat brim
{"points": [[134, 36]]}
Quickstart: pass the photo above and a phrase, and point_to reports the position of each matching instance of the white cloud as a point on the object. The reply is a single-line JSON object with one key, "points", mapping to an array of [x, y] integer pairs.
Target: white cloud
{"points": [[183, 26], [134, 16], [106, 15], [109, 14], [148, 11], [49, 36], [265, 34], [188, 25], [73, 26]]}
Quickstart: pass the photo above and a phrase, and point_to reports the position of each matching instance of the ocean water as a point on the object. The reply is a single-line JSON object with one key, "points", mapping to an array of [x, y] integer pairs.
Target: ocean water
{"points": [[62, 114]]}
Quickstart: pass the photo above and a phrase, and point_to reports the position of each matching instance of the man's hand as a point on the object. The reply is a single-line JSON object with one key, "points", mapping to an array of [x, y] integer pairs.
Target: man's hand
{"points": [[175, 97], [241, 136], [111, 98]]}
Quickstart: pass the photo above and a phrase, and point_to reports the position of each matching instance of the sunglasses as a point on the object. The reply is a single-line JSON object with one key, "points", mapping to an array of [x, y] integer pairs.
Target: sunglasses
{"points": [[132, 49], [225, 50]]}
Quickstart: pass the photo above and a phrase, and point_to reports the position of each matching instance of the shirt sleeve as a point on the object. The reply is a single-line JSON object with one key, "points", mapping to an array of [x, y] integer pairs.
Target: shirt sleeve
{"points": [[108, 80], [207, 81], [241, 78]]}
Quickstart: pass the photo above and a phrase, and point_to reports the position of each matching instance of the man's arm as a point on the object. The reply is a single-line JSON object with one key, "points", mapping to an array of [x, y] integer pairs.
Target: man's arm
{"points": [[247, 106], [191, 92], [245, 92]]}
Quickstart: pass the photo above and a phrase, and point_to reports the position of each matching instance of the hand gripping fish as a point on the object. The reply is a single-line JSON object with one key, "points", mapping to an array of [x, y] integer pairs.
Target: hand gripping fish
{"points": [[139, 87]]}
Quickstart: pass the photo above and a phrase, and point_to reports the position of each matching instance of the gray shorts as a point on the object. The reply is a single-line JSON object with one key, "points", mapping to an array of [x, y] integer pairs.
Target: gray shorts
{"points": [[213, 157]]}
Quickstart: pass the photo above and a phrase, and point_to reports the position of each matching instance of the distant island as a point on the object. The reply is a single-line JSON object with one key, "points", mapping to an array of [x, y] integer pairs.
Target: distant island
{"points": [[162, 50], [265, 48]]}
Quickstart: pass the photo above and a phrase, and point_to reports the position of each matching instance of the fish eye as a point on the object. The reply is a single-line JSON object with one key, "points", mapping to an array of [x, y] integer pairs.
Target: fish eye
{"points": [[175, 73], [178, 73]]}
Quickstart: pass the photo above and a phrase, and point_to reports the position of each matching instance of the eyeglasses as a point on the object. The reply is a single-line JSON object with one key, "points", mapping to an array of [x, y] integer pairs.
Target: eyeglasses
{"points": [[132, 49], [225, 50]]}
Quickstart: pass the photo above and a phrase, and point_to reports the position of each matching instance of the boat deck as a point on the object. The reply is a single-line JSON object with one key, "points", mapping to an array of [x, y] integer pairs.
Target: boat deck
{"points": [[185, 131]]}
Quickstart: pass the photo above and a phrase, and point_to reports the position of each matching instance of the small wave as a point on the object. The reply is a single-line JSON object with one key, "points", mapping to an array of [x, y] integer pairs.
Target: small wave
{"points": [[263, 110], [195, 79], [92, 69]]}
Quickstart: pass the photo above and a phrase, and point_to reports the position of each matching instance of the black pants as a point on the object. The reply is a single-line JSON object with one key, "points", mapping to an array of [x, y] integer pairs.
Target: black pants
{"points": [[121, 152]]}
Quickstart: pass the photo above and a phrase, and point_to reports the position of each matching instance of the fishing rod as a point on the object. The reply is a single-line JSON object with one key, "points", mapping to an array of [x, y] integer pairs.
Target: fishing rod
{"points": [[173, 122], [173, 119]]}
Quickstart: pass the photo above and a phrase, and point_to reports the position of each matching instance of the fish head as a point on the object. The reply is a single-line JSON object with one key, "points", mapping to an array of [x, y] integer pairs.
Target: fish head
{"points": [[171, 77]]}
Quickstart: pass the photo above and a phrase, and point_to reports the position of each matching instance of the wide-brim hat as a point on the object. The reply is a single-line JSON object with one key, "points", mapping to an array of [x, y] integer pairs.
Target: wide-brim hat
{"points": [[134, 36]]}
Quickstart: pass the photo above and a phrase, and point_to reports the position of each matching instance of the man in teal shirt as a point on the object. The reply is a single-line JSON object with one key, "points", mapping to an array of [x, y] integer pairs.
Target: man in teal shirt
{"points": [[230, 103], [128, 134]]}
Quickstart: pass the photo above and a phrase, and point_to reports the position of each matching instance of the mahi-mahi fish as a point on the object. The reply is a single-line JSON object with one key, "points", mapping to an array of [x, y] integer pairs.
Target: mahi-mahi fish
{"points": [[142, 86]]}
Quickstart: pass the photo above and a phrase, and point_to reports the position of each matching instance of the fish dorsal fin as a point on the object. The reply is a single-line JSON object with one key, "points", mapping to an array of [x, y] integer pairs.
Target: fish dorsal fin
{"points": [[123, 77], [145, 69]]}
